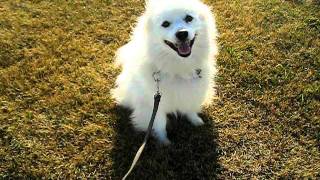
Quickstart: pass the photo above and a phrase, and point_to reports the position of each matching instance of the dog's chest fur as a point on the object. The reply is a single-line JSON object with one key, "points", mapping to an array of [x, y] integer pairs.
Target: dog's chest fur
{"points": [[183, 93]]}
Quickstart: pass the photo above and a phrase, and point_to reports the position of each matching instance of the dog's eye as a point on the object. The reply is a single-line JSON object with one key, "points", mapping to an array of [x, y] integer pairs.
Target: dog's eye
{"points": [[166, 24], [188, 18]]}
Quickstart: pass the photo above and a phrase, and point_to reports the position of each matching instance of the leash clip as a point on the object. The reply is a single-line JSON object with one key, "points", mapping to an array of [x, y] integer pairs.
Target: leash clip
{"points": [[156, 78]]}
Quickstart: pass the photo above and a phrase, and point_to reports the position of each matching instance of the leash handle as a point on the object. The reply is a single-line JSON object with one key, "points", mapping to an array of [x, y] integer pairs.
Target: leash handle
{"points": [[157, 98]]}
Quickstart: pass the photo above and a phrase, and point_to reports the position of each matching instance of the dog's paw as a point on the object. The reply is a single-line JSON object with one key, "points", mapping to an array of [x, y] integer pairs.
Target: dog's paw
{"points": [[165, 142], [195, 120], [161, 136]]}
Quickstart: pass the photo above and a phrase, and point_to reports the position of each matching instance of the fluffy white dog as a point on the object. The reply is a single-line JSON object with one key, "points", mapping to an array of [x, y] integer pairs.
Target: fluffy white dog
{"points": [[176, 39]]}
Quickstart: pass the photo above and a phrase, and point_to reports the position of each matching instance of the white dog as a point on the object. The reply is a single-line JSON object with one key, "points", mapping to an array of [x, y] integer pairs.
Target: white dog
{"points": [[176, 39]]}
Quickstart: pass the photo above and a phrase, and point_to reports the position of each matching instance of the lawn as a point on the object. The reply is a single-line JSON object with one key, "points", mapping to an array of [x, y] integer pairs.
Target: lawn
{"points": [[57, 119]]}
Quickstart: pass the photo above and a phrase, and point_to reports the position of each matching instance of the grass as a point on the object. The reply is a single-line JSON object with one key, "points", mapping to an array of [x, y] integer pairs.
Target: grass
{"points": [[57, 119]]}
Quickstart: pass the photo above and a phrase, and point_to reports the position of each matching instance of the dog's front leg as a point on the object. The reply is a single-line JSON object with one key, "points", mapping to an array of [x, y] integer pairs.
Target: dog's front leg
{"points": [[141, 118], [159, 128]]}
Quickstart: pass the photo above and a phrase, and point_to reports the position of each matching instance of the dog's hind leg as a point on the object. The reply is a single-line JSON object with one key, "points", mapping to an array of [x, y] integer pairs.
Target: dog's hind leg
{"points": [[141, 117]]}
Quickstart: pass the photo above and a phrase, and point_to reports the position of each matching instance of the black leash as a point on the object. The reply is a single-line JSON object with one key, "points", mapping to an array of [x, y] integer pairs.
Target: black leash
{"points": [[157, 98]]}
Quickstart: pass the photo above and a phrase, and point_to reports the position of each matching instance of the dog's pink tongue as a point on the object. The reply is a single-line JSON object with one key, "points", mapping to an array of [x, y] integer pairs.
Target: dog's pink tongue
{"points": [[184, 48]]}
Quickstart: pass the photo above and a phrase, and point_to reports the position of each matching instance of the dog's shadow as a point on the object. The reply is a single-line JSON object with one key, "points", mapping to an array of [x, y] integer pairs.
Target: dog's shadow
{"points": [[192, 154]]}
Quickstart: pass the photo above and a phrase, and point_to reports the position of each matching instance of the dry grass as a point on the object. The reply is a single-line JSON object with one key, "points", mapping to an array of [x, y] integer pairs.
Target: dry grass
{"points": [[57, 118]]}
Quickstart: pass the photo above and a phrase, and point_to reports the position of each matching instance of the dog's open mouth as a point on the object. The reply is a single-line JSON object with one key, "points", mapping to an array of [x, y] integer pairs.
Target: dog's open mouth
{"points": [[182, 48]]}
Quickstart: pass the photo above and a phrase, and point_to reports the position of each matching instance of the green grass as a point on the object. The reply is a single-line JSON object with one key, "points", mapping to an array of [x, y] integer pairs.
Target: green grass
{"points": [[57, 118]]}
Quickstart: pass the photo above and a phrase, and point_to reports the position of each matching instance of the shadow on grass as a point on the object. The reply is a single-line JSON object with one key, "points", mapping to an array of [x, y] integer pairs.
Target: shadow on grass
{"points": [[192, 154]]}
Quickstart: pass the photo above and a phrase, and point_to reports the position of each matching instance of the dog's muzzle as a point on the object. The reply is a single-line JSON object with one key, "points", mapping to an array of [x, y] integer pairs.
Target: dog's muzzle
{"points": [[183, 48]]}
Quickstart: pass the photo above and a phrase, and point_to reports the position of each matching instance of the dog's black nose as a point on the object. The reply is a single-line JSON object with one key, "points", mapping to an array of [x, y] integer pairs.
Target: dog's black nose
{"points": [[182, 35]]}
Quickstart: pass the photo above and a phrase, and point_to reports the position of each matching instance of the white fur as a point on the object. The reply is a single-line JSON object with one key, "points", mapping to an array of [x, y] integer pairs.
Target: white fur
{"points": [[147, 53]]}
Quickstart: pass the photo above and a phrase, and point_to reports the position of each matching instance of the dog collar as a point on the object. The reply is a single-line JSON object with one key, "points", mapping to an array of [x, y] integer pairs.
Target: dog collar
{"points": [[157, 76]]}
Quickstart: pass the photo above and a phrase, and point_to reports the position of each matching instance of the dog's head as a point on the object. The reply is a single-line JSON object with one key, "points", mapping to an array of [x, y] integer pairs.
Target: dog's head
{"points": [[178, 25]]}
